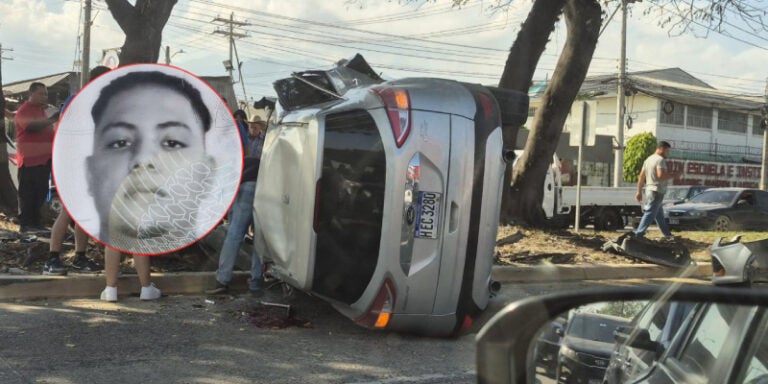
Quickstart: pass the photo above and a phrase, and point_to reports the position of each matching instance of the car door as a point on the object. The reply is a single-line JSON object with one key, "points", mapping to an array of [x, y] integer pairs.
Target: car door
{"points": [[743, 210], [708, 348], [761, 213]]}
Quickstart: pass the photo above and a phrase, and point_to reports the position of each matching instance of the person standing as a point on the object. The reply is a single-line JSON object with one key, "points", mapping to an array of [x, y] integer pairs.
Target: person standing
{"points": [[34, 138], [80, 263], [654, 178], [257, 129], [241, 216]]}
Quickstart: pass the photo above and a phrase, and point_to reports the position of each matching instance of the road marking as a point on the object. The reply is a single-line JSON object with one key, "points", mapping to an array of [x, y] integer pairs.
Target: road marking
{"points": [[421, 378]]}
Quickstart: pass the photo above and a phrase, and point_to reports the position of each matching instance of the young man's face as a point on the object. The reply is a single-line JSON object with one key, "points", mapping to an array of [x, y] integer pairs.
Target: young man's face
{"points": [[138, 125], [39, 96], [665, 152]]}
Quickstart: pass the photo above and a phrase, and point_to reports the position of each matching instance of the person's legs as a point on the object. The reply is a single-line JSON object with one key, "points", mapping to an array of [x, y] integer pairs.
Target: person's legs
{"points": [[241, 216], [81, 240], [256, 280], [26, 188], [59, 230], [111, 266], [650, 211], [661, 221], [141, 263], [39, 190]]}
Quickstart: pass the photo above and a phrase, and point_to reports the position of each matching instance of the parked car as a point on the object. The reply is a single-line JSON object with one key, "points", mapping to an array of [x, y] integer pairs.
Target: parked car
{"points": [[737, 262], [644, 341], [382, 197], [586, 347], [722, 209], [679, 194]]}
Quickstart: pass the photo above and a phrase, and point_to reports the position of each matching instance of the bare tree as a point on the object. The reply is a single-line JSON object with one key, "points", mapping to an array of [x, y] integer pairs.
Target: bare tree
{"points": [[143, 25], [701, 17]]}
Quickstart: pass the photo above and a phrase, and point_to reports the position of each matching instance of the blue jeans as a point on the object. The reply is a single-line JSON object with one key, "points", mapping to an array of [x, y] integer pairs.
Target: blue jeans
{"points": [[241, 216], [652, 211]]}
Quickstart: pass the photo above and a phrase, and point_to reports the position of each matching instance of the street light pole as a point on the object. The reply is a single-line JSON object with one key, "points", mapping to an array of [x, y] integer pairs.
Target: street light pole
{"points": [[86, 57], [618, 168]]}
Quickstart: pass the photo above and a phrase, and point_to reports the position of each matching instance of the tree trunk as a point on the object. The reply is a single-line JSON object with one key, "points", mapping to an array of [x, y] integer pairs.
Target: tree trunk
{"points": [[583, 20], [143, 26], [518, 72]]}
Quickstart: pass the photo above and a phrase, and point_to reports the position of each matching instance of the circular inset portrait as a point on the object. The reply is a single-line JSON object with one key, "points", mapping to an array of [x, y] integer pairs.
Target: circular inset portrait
{"points": [[147, 159]]}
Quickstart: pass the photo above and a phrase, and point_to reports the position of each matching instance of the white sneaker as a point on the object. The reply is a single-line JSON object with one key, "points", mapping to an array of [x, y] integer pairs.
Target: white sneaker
{"points": [[150, 293], [109, 294]]}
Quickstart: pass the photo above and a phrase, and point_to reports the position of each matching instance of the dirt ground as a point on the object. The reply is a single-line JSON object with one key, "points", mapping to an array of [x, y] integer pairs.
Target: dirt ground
{"points": [[567, 247], [516, 246]]}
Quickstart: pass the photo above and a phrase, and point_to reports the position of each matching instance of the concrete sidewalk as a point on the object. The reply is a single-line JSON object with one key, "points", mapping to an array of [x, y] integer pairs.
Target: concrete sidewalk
{"points": [[84, 286]]}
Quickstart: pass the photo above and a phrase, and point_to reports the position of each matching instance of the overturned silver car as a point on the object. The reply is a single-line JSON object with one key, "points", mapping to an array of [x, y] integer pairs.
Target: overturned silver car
{"points": [[382, 197]]}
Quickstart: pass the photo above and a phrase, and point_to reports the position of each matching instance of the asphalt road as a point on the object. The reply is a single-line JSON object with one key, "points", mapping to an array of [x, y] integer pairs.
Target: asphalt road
{"points": [[201, 339]]}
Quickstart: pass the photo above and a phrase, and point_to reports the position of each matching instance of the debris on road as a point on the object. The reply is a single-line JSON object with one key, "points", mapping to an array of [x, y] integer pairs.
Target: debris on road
{"points": [[274, 316], [511, 239], [667, 253]]}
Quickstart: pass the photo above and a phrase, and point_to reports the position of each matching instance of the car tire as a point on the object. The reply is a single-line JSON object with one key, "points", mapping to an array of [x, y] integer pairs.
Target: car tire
{"points": [[608, 220], [722, 224]]}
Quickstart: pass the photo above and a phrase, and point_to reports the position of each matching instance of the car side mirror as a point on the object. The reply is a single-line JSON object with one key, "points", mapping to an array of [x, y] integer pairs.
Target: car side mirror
{"points": [[637, 338], [506, 346], [559, 330], [742, 203]]}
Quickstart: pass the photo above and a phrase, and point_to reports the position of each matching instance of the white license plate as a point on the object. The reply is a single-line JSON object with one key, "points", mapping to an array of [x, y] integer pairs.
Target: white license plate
{"points": [[674, 221], [428, 213]]}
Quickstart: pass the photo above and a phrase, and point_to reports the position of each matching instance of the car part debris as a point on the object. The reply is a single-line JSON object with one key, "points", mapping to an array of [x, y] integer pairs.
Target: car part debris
{"points": [[667, 253]]}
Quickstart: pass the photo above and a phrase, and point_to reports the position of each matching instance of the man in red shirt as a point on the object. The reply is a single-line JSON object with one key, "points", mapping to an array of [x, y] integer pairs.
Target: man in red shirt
{"points": [[34, 138]]}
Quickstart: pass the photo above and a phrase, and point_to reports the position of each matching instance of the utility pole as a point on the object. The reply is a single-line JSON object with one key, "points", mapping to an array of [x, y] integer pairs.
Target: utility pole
{"points": [[232, 49], [169, 56], [2, 97], [86, 58], [764, 126], [618, 166]]}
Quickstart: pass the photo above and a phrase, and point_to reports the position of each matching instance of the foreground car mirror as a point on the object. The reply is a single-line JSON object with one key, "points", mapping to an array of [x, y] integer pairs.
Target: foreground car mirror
{"points": [[507, 348]]}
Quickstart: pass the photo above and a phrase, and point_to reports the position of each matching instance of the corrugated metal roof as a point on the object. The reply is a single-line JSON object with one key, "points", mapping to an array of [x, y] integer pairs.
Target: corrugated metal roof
{"points": [[671, 84], [23, 86]]}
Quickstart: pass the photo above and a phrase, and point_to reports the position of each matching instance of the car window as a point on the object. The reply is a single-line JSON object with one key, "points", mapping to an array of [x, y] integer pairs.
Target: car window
{"points": [[654, 319], [756, 370], [706, 344], [762, 199], [714, 197], [676, 194]]}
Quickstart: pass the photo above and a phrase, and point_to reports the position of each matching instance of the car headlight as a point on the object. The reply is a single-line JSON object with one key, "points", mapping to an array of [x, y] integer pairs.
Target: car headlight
{"points": [[698, 213], [569, 353]]}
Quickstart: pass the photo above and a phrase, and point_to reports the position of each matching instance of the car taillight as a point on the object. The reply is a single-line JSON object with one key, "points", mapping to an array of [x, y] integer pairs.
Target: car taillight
{"points": [[486, 103], [466, 323], [398, 106], [380, 312]]}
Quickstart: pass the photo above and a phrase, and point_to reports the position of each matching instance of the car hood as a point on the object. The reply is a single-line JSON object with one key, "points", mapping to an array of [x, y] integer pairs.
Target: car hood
{"points": [[592, 347]]}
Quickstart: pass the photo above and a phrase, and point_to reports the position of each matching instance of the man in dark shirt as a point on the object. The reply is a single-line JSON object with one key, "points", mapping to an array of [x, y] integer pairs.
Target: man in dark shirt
{"points": [[241, 217]]}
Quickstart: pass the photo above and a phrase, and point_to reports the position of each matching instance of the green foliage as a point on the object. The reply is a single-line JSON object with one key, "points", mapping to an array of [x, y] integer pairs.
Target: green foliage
{"points": [[639, 147]]}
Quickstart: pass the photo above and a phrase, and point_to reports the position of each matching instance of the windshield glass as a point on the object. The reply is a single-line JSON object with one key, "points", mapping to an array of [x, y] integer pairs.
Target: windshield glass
{"points": [[679, 193], [714, 197], [593, 328]]}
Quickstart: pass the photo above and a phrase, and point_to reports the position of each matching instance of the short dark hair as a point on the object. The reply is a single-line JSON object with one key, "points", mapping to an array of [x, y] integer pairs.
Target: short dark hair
{"points": [[137, 79], [98, 71], [664, 145], [240, 113], [35, 86]]}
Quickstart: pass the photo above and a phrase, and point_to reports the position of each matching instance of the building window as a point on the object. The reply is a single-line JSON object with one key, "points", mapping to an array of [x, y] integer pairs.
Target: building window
{"points": [[672, 113], [756, 130], [699, 117], [732, 122]]}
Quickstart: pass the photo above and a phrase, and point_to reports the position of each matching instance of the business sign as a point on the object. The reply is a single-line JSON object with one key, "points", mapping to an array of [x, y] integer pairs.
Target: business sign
{"points": [[715, 174]]}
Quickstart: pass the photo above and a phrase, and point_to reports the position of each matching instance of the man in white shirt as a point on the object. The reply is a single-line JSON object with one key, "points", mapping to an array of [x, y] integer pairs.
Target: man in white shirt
{"points": [[654, 179]]}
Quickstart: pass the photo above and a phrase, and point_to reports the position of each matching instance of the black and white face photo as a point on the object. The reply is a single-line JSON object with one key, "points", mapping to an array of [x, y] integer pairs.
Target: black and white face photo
{"points": [[150, 149]]}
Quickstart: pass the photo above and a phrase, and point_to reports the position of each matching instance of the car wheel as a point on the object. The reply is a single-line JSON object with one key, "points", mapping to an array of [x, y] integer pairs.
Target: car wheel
{"points": [[609, 220], [722, 224]]}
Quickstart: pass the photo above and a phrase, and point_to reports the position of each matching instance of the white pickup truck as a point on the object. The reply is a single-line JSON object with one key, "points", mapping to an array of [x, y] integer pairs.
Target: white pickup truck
{"points": [[606, 208]]}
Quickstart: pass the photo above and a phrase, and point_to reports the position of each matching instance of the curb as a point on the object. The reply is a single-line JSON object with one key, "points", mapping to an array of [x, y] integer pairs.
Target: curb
{"points": [[79, 286], [551, 273], [85, 286]]}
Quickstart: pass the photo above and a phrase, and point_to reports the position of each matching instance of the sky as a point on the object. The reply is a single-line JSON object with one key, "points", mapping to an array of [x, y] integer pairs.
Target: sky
{"points": [[405, 38]]}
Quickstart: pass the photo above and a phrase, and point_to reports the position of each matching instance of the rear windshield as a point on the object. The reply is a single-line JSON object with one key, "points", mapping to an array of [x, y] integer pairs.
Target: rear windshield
{"points": [[350, 206]]}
